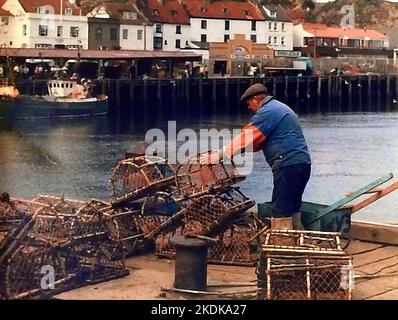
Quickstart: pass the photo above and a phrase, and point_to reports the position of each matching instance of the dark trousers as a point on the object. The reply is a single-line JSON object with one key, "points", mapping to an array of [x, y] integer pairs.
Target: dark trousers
{"points": [[289, 185]]}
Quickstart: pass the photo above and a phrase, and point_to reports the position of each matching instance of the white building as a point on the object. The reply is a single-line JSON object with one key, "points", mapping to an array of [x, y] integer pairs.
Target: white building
{"points": [[50, 25], [220, 21], [171, 26], [135, 30], [277, 28]]}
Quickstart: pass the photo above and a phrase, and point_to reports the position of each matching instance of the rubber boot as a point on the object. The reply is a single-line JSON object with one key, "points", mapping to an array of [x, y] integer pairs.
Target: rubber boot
{"points": [[282, 224], [296, 219]]}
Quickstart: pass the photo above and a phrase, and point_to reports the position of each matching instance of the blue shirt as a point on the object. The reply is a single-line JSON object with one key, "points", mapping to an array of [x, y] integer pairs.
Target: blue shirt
{"points": [[285, 143]]}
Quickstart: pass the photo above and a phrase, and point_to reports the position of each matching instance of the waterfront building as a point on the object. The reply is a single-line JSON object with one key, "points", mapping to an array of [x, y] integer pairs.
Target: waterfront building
{"points": [[42, 24], [319, 40], [119, 26]]}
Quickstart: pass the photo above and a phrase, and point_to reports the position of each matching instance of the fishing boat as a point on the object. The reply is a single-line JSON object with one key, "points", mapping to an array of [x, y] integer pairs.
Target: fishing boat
{"points": [[65, 98]]}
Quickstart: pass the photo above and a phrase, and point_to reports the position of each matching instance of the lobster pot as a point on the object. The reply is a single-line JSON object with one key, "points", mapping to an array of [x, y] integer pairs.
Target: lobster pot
{"points": [[235, 247], [195, 178], [310, 270], [134, 178]]}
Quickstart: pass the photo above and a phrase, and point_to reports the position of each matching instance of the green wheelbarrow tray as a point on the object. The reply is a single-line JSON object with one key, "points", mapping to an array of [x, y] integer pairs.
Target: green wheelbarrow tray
{"points": [[339, 220], [337, 216]]}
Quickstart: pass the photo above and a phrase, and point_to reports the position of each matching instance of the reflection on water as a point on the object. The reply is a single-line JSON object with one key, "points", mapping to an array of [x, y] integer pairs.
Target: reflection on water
{"points": [[74, 157]]}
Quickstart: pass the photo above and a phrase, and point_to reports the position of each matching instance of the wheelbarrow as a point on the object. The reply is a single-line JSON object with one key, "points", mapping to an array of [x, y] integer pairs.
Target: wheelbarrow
{"points": [[337, 216]]}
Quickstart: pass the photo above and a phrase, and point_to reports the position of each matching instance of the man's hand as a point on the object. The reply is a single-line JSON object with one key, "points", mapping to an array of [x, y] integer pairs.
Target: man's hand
{"points": [[211, 157]]}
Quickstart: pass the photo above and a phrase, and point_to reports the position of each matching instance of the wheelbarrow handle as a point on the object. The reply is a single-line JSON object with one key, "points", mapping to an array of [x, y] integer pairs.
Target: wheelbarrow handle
{"points": [[352, 196]]}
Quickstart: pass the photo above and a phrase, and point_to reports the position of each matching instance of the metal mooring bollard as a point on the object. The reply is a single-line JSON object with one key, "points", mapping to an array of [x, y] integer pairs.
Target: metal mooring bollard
{"points": [[190, 263]]}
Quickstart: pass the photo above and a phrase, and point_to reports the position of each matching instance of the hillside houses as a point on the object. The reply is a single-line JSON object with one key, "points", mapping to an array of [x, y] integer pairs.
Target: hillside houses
{"points": [[243, 29]]}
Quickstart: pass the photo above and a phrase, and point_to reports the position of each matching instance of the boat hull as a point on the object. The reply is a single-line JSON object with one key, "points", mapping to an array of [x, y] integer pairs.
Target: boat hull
{"points": [[25, 107]]}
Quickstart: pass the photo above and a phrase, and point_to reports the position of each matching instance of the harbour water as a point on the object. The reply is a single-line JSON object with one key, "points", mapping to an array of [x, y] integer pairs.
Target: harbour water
{"points": [[74, 157]]}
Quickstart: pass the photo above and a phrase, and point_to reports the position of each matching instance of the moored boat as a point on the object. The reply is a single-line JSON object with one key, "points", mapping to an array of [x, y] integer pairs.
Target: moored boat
{"points": [[66, 98]]}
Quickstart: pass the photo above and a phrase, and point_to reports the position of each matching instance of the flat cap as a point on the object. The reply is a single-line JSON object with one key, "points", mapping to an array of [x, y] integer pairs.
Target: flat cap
{"points": [[254, 90]]}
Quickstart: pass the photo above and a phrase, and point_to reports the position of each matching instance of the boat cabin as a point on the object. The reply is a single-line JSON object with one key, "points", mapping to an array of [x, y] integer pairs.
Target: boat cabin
{"points": [[61, 88]]}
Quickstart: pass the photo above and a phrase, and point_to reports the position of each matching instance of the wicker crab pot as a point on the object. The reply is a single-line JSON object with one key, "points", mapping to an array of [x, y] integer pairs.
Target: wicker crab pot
{"points": [[135, 178]]}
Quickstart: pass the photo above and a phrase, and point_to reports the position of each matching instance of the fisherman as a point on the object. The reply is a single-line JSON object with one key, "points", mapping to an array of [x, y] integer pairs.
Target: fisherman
{"points": [[275, 130]]}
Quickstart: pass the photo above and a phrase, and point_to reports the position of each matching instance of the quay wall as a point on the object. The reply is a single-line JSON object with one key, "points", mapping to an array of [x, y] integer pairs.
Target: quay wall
{"points": [[218, 96]]}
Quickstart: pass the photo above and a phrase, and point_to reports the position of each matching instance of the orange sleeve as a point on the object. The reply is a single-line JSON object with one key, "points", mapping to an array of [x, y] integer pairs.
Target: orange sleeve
{"points": [[250, 135]]}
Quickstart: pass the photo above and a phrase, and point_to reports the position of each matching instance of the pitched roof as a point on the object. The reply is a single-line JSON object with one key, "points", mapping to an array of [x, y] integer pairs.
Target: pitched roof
{"points": [[115, 11], [4, 13], [32, 5], [280, 14], [321, 30], [223, 10], [164, 11]]}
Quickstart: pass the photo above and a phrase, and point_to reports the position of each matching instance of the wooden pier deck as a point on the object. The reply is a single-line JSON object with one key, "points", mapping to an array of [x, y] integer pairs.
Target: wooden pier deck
{"points": [[376, 275]]}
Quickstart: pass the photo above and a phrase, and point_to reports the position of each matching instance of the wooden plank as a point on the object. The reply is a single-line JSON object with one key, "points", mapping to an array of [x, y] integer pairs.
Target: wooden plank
{"points": [[352, 196], [371, 288], [379, 194], [386, 266], [376, 256], [357, 247], [374, 232], [389, 295]]}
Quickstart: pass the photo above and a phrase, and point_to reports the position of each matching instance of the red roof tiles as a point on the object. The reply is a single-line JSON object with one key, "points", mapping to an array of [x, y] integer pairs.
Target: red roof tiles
{"points": [[32, 5], [223, 10], [116, 9], [321, 30], [164, 11]]}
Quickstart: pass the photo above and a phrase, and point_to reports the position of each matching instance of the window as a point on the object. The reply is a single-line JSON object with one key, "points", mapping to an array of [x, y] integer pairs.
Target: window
{"points": [[43, 9], [158, 28], [157, 42], [59, 31], [43, 46], [125, 34], [275, 26], [178, 43], [275, 40], [253, 38], [129, 15], [68, 11], [283, 26], [269, 40], [226, 25], [165, 42], [203, 38], [203, 10], [139, 34], [113, 35], [98, 33], [24, 30], [178, 29], [226, 37], [155, 12], [74, 32], [254, 25], [269, 25], [203, 24], [247, 13], [173, 13], [283, 41], [43, 30], [225, 10]]}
